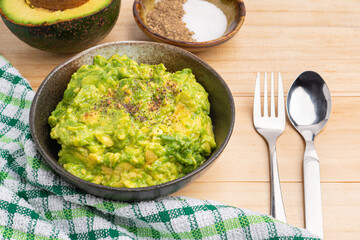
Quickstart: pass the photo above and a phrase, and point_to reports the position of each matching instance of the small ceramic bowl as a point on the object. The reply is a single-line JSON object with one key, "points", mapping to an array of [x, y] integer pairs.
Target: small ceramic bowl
{"points": [[52, 90], [234, 11]]}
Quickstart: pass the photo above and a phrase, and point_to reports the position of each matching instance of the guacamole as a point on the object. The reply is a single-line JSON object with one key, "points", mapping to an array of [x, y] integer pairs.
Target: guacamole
{"points": [[122, 124]]}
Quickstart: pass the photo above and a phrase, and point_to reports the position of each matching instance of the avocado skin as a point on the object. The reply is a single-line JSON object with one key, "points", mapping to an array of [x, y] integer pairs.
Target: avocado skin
{"points": [[73, 35]]}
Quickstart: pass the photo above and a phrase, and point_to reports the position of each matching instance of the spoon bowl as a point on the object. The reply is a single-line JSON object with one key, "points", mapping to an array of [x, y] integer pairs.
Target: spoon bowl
{"points": [[308, 107], [309, 103]]}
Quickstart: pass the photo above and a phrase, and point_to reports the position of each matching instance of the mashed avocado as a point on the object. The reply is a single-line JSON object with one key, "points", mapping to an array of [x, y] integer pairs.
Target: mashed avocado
{"points": [[122, 124]]}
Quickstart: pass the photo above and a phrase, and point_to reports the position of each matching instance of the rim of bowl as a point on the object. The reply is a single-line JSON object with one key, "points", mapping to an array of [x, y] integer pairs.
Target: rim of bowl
{"points": [[61, 171], [216, 41]]}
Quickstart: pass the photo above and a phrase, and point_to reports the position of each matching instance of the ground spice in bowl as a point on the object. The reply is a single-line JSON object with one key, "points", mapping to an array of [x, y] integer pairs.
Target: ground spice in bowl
{"points": [[166, 20], [187, 20]]}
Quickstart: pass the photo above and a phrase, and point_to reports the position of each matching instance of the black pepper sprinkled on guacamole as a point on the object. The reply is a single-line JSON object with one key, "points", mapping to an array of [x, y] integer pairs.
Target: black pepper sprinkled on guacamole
{"points": [[122, 124]]}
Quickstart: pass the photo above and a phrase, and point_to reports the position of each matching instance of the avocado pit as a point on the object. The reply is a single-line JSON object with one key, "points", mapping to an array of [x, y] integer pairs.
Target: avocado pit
{"points": [[56, 5]]}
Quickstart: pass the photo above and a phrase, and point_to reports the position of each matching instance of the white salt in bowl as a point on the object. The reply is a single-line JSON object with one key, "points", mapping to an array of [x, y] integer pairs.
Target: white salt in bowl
{"points": [[221, 30]]}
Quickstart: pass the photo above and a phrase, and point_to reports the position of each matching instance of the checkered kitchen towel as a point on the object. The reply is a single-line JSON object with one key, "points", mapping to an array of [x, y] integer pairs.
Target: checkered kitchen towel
{"points": [[35, 203]]}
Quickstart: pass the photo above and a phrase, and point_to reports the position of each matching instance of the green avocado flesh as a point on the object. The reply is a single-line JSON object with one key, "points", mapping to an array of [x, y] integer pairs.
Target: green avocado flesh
{"points": [[20, 11], [122, 124]]}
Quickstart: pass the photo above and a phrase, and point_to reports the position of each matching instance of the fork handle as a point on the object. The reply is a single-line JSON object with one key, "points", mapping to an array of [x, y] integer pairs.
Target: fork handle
{"points": [[276, 201]]}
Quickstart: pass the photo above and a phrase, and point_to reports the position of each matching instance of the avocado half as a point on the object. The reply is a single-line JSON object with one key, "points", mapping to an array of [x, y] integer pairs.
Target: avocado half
{"points": [[60, 25]]}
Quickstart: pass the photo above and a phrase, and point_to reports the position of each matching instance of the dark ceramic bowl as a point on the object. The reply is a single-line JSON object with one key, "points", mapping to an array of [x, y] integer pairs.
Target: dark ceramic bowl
{"points": [[52, 89], [234, 11]]}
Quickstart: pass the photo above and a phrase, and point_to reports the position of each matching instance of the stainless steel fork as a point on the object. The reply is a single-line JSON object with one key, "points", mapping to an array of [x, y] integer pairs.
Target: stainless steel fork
{"points": [[270, 128]]}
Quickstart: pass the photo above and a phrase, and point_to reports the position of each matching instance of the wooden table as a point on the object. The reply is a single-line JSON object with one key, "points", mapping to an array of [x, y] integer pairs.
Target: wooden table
{"points": [[284, 36]]}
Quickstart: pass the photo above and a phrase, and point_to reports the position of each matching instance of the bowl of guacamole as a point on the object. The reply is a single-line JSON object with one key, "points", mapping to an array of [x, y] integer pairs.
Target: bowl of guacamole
{"points": [[132, 120]]}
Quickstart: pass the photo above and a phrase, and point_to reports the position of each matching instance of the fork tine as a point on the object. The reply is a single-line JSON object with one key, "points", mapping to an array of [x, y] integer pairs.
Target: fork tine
{"points": [[281, 106], [257, 99], [265, 97], [272, 97]]}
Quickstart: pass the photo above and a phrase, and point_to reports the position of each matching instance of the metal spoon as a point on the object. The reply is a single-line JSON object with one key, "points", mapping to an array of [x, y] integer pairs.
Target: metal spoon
{"points": [[308, 108]]}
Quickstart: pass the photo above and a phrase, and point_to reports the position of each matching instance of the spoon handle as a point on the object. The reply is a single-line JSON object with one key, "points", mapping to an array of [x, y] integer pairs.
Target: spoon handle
{"points": [[312, 191]]}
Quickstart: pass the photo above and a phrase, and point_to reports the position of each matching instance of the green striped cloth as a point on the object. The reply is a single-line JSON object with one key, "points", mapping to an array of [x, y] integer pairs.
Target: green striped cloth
{"points": [[35, 203]]}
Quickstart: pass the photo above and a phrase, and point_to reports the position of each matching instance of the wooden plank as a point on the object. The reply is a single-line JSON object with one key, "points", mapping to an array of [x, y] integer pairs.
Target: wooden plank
{"points": [[289, 51], [246, 156], [305, 13], [340, 202], [260, 46]]}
